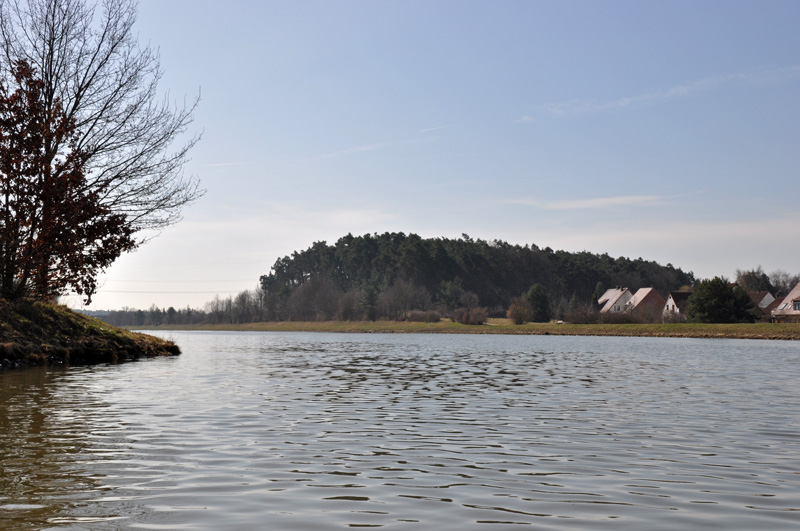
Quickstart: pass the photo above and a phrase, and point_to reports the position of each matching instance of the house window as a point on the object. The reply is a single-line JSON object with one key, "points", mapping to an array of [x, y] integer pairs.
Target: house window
{"points": [[797, 306]]}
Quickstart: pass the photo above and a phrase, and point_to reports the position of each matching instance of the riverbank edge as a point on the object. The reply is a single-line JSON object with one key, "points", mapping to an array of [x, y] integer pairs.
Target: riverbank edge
{"points": [[769, 331], [35, 333]]}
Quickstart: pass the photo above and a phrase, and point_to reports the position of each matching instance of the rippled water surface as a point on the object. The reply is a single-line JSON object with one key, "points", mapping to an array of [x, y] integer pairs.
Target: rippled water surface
{"points": [[319, 431]]}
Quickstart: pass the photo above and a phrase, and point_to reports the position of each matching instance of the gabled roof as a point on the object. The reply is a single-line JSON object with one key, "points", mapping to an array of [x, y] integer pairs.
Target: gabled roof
{"points": [[761, 298], [646, 298], [680, 298], [786, 307], [773, 305], [757, 296], [611, 292], [612, 297]]}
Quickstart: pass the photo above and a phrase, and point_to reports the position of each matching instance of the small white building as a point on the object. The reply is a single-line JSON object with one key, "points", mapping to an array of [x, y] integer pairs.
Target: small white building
{"points": [[676, 303], [614, 300]]}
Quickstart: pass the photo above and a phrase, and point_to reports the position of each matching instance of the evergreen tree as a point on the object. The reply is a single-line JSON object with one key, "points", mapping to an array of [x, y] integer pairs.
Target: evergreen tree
{"points": [[369, 302], [716, 301], [539, 303]]}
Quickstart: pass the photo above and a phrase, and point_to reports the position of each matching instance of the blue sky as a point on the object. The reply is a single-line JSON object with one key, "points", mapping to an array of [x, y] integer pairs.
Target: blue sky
{"points": [[662, 130]]}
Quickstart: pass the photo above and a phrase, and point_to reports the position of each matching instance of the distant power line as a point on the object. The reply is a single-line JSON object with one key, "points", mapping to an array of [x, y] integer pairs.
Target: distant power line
{"points": [[101, 291], [181, 281]]}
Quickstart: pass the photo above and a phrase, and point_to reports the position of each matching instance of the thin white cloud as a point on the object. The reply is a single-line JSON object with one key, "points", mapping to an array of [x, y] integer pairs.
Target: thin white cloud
{"points": [[597, 203], [602, 202], [221, 164], [588, 106], [428, 130], [355, 149], [363, 148], [526, 119], [682, 90]]}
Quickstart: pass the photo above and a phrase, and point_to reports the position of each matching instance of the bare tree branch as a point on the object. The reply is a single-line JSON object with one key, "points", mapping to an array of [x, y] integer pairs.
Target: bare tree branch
{"points": [[106, 83]]}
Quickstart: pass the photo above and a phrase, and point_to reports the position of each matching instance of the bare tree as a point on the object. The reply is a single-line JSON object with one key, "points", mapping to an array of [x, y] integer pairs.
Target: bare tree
{"points": [[783, 282], [754, 280], [93, 67], [54, 232], [402, 296], [243, 307]]}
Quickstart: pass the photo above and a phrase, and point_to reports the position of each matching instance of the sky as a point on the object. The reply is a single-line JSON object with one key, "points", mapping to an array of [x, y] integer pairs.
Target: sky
{"points": [[668, 131]]}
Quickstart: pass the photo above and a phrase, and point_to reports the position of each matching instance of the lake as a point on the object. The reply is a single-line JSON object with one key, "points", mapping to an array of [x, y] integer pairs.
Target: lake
{"points": [[306, 431]]}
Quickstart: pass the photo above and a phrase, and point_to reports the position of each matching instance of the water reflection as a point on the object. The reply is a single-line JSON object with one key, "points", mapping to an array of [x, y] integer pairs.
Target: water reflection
{"points": [[314, 431], [43, 440]]}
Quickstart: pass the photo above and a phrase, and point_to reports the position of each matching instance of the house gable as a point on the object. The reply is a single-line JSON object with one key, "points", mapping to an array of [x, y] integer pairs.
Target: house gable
{"points": [[762, 299], [677, 301], [646, 300], [789, 308], [614, 300]]}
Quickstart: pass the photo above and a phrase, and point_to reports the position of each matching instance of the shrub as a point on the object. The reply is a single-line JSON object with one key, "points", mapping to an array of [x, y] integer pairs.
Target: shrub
{"points": [[401, 297], [470, 316], [420, 316], [519, 312], [348, 308], [673, 318], [582, 315], [650, 315], [620, 318]]}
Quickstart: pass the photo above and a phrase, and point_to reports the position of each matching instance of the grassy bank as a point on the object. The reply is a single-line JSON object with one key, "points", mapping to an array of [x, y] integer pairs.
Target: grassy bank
{"points": [[504, 326], [34, 333]]}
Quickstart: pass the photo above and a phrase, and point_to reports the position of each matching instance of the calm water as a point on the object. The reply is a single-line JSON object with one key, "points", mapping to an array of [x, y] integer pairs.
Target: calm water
{"points": [[318, 431]]}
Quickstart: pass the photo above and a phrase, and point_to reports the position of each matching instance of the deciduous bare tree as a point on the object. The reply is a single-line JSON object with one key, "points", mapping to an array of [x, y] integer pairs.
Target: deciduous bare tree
{"points": [[89, 60], [783, 282], [54, 231]]}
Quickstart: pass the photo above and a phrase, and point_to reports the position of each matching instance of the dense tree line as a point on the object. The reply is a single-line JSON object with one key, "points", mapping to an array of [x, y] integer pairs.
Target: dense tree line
{"points": [[399, 276], [386, 275], [394, 276], [245, 307]]}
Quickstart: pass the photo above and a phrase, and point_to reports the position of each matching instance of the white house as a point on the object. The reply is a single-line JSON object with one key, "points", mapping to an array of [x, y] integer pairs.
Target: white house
{"points": [[676, 303], [614, 300]]}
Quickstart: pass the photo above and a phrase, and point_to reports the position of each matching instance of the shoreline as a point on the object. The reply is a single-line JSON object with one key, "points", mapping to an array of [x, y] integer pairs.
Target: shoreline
{"points": [[763, 331], [35, 334]]}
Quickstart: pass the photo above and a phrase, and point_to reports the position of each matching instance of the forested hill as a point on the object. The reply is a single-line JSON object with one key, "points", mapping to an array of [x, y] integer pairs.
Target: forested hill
{"points": [[317, 280]]}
